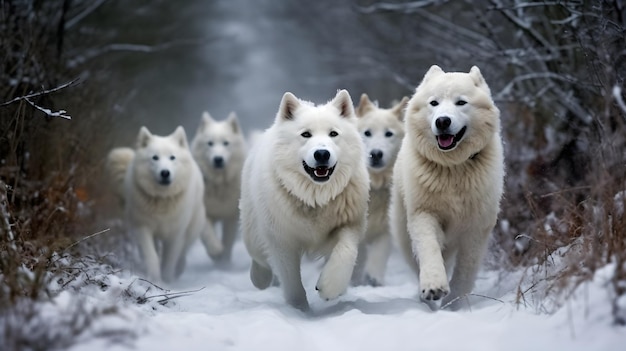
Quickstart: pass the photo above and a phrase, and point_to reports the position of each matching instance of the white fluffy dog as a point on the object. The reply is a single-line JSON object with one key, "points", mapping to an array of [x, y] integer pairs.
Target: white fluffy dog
{"points": [[304, 191], [448, 182]]}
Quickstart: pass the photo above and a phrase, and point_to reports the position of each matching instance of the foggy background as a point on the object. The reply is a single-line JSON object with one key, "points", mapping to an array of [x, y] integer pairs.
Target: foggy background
{"points": [[236, 55]]}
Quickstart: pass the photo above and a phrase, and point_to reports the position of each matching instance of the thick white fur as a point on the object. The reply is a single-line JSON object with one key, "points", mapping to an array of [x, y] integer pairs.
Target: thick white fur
{"points": [[286, 214], [214, 141], [445, 203], [382, 131], [163, 218]]}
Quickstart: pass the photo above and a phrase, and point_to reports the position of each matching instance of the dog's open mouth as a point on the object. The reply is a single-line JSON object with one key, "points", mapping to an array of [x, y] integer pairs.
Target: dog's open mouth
{"points": [[449, 141], [319, 173]]}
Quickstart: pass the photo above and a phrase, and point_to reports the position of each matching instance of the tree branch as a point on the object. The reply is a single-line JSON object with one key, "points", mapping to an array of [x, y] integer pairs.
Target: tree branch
{"points": [[72, 22], [50, 113], [403, 7], [44, 92], [125, 47]]}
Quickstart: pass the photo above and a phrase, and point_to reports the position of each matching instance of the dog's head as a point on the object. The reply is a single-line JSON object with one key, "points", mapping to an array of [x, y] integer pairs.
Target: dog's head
{"points": [[451, 116], [161, 163], [216, 142], [316, 146], [382, 131]]}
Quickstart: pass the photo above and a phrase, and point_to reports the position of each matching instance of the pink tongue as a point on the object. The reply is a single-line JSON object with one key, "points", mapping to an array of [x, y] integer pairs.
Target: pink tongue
{"points": [[321, 172], [445, 140]]}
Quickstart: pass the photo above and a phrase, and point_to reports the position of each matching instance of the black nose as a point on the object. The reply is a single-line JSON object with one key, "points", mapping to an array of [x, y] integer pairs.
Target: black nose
{"points": [[376, 155], [321, 155], [442, 123], [218, 161], [165, 174]]}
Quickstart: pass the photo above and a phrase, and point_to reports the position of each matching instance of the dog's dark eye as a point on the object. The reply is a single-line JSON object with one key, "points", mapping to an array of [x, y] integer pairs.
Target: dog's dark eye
{"points": [[367, 133], [333, 134], [461, 102], [172, 157], [226, 143], [306, 134], [155, 157], [389, 134], [210, 143], [434, 103]]}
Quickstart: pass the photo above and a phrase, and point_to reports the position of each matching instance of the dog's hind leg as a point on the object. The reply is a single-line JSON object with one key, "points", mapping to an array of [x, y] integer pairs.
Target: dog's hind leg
{"points": [[468, 260]]}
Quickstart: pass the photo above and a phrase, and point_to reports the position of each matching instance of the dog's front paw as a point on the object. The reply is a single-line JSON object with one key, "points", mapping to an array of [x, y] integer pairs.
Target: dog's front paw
{"points": [[434, 293], [329, 287], [434, 286]]}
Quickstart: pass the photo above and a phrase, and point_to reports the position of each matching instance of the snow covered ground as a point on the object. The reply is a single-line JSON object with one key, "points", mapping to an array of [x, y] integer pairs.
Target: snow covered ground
{"points": [[228, 313]]}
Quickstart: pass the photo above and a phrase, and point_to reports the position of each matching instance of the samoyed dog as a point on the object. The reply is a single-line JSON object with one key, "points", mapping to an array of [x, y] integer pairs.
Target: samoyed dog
{"points": [[447, 183], [382, 131], [219, 148], [304, 191], [162, 187]]}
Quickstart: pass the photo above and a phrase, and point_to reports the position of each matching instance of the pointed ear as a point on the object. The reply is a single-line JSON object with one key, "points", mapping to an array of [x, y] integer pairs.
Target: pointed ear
{"points": [[433, 71], [207, 119], [143, 138], [398, 109], [180, 137], [288, 106], [365, 105], [477, 77], [234, 122], [204, 122], [343, 102]]}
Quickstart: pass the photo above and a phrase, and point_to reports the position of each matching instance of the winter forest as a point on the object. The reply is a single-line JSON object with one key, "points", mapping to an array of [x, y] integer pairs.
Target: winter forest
{"points": [[80, 77]]}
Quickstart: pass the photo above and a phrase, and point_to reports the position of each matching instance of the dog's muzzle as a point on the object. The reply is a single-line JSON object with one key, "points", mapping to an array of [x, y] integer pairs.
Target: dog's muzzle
{"points": [[445, 140], [322, 170]]}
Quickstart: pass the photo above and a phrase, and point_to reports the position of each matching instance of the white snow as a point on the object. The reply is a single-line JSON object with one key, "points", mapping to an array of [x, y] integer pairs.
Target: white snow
{"points": [[228, 313]]}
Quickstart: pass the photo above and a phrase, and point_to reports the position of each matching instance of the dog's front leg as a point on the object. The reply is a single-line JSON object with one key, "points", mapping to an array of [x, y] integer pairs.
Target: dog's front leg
{"points": [[145, 240], [172, 250], [335, 276], [285, 261], [426, 239]]}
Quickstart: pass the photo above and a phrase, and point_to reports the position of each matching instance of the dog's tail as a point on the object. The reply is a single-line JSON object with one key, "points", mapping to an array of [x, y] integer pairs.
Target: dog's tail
{"points": [[117, 163]]}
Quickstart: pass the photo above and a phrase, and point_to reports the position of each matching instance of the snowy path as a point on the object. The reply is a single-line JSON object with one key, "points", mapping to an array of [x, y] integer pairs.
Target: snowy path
{"points": [[230, 314]]}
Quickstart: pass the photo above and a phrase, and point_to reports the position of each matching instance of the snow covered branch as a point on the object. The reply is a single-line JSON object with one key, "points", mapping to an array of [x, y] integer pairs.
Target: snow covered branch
{"points": [[44, 92], [50, 113], [617, 94]]}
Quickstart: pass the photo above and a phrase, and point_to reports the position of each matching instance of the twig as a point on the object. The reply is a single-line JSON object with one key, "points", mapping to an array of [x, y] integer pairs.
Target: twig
{"points": [[44, 92], [87, 237], [465, 296], [60, 113], [168, 296], [126, 47], [390, 7], [69, 24]]}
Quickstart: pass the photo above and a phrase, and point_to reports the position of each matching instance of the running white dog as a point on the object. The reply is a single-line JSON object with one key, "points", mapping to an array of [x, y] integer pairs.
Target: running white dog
{"points": [[448, 182], [382, 131], [219, 149], [162, 187], [304, 191]]}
